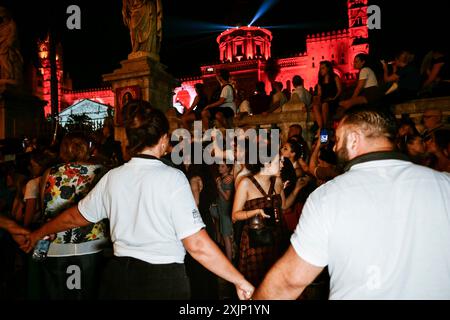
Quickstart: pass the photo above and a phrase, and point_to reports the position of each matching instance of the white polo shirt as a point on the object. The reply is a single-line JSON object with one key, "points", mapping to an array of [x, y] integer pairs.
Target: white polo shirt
{"points": [[150, 207], [383, 229]]}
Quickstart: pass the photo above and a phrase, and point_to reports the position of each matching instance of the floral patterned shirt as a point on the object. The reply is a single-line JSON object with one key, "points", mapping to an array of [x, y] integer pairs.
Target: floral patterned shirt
{"points": [[66, 185]]}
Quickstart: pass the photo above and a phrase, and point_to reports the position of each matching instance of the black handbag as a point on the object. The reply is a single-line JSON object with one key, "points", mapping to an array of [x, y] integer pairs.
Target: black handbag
{"points": [[261, 237]]}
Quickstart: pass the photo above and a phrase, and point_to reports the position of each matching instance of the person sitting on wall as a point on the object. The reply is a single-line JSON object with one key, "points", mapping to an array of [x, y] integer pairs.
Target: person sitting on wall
{"points": [[278, 97], [225, 106], [404, 81], [260, 101], [435, 69], [300, 91], [329, 90], [367, 90]]}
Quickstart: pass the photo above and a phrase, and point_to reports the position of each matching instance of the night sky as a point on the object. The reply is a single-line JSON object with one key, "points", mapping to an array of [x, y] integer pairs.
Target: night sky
{"points": [[190, 29]]}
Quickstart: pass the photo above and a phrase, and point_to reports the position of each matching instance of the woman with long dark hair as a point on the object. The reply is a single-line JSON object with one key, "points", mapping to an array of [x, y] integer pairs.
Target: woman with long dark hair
{"points": [[329, 90], [259, 201]]}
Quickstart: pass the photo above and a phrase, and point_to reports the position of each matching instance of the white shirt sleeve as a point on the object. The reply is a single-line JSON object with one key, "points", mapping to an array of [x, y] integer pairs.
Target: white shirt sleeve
{"points": [[32, 189], [93, 206], [185, 216], [364, 74], [310, 239], [227, 93]]}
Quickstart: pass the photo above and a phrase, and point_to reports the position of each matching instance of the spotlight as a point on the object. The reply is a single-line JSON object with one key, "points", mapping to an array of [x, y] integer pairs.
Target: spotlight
{"points": [[265, 6]]}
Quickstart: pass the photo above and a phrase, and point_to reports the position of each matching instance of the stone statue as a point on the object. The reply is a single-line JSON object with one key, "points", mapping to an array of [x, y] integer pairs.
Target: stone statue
{"points": [[11, 61], [144, 19]]}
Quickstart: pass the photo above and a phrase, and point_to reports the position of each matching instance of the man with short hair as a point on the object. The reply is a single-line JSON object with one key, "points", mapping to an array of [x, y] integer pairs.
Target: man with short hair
{"points": [[382, 228]]}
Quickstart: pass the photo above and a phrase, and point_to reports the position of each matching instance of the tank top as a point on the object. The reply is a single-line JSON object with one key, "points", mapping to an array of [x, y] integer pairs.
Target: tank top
{"points": [[329, 90]]}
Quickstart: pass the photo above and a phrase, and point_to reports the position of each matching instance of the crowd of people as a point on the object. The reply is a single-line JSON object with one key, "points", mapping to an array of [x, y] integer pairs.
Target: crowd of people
{"points": [[383, 84], [152, 229]]}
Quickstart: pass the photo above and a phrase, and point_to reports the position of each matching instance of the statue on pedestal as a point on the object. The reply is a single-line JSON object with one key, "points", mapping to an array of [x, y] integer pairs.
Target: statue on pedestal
{"points": [[11, 60], [144, 19]]}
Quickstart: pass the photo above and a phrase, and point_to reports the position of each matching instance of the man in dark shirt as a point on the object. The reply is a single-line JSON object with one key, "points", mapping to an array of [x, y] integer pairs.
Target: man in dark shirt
{"points": [[260, 101]]}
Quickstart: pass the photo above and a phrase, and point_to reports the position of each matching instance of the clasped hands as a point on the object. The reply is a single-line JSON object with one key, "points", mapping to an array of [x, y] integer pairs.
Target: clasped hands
{"points": [[24, 237]]}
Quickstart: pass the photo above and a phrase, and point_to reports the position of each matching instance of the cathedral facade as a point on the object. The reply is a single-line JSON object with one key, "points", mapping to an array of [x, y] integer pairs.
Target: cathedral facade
{"points": [[246, 53]]}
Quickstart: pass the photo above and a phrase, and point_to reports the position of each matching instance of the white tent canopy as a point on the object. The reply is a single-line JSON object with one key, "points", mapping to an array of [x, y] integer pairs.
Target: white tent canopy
{"points": [[96, 111]]}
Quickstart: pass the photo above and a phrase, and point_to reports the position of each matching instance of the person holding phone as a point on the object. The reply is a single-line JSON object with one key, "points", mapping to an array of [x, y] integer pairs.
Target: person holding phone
{"points": [[323, 162], [329, 90], [378, 218]]}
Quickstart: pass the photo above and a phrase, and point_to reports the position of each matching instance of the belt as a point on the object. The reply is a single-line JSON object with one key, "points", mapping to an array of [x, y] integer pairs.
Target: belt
{"points": [[75, 249]]}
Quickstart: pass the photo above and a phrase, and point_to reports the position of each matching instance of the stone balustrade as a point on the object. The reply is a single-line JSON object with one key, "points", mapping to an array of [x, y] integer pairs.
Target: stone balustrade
{"points": [[283, 120]]}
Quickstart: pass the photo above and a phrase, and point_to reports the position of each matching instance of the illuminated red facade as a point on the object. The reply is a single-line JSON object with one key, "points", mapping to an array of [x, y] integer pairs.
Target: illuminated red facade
{"points": [[245, 52], [66, 96]]}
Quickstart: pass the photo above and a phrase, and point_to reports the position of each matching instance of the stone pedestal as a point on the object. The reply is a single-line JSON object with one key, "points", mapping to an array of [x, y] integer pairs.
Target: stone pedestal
{"points": [[21, 114], [156, 85], [142, 76]]}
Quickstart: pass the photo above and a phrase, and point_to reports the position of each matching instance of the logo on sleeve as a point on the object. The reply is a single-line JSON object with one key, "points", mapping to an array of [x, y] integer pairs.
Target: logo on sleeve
{"points": [[197, 216]]}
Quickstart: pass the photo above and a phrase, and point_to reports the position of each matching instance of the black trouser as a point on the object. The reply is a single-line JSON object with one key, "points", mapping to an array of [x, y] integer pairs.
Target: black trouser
{"points": [[129, 278], [73, 277], [203, 283]]}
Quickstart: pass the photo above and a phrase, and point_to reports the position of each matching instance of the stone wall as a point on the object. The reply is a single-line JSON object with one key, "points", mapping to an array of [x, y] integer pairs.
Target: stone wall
{"points": [[285, 119]]}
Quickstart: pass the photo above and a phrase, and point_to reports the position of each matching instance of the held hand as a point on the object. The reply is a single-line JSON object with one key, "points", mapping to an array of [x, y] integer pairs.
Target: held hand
{"points": [[244, 290], [33, 239]]}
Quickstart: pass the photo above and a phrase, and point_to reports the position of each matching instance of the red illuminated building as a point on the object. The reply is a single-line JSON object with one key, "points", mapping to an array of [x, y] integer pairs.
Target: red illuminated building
{"points": [[245, 52], [66, 96]]}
